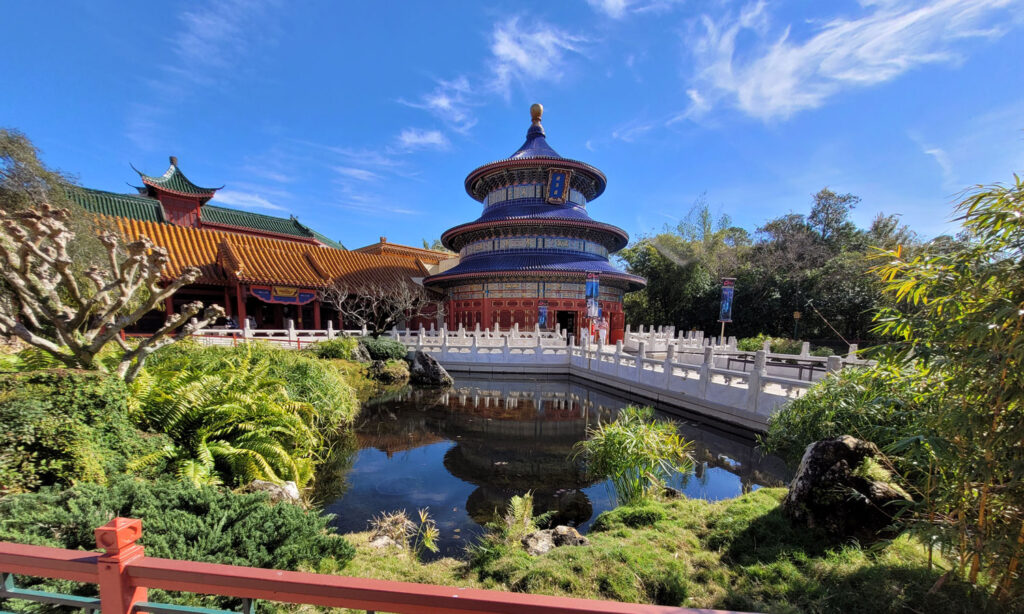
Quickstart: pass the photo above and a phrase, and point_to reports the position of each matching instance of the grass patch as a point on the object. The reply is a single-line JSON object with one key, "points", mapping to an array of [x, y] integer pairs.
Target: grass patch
{"points": [[738, 554]]}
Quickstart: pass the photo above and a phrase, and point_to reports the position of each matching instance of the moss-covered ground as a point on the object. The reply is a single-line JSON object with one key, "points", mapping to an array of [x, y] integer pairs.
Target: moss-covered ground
{"points": [[741, 554]]}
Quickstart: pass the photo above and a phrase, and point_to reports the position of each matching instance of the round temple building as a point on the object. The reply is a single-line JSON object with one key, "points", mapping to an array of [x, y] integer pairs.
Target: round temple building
{"points": [[534, 256]]}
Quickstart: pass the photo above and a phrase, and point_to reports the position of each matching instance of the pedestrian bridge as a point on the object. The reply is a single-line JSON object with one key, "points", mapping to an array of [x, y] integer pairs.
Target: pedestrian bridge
{"points": [[685, 372]]}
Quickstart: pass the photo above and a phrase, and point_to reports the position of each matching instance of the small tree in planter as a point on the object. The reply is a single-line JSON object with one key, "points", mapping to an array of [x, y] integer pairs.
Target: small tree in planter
{"points": [[72, 315]]}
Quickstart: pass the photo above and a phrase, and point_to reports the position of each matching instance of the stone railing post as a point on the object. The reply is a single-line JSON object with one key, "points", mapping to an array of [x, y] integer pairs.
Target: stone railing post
{"points": [[394, 334], [290, 325], [766, 347], [363, 331], [670, 356], [246, 330], [419, 343], [834, 364], [330, 330], [118, 593], [754, 380], [853, 351], [641, 353], [705, 371], [629, 328], [805, 349], [505, 350], [618, 355]]}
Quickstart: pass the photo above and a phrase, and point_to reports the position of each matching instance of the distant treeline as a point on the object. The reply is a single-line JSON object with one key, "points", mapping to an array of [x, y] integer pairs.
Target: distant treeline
{"points": [[815, 264]]}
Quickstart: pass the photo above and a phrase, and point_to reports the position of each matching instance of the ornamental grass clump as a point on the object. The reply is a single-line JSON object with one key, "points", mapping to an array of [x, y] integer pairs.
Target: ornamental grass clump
{"points": [[637, 453]]}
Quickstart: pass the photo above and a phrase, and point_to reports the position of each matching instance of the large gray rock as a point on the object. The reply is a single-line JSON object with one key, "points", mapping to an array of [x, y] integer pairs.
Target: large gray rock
{"points": [[425, 371], [841, 487], [359, 354], [539, 542], [286, 491]]}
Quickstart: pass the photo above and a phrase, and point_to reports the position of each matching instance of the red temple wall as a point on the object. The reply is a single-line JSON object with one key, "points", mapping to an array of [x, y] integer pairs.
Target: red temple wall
{"points": [[503, 313]]}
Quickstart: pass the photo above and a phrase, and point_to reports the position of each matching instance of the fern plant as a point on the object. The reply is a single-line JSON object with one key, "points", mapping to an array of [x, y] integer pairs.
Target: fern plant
{"points": [[229, 421]]}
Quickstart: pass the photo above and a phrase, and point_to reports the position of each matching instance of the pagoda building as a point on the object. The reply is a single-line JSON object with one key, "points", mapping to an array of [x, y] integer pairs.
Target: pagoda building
{"points": [[534, 256]]}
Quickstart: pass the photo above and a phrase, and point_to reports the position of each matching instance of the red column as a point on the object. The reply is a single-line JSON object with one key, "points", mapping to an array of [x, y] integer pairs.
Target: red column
{"points": [[118, 594], [240, 298], [316, 314], [169, 306], [486, 323]]}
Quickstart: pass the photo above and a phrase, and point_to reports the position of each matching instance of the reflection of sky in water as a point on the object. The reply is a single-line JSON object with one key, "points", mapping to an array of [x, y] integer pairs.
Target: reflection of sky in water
{"points": [[418, 477], [409, 480]]}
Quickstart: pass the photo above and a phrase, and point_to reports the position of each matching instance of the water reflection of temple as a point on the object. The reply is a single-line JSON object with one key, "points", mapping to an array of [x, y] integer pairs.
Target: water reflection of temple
{"points": [[514, 436]]}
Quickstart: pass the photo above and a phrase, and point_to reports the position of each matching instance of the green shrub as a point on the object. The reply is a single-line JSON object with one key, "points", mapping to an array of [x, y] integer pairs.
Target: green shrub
{"points": [[633, 517], [877, 405], [307, 380], [179, 522], [390, 372], [778, 345], [333, 349], [383, 348], [63, 426], [636, 452]]}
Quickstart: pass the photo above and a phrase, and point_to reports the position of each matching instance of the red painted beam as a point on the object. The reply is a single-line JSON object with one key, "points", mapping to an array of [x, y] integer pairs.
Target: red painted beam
{"points": [[362, 593], [44, 562]]}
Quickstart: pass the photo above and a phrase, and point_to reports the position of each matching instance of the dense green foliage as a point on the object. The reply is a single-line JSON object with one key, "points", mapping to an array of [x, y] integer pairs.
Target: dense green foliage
{"points": [[341, 348], [229, 418], [179, 522], [636, 452], [814, 264], [959, 318], [63, 427], [879, 405], [947, 399], [383, 348]]}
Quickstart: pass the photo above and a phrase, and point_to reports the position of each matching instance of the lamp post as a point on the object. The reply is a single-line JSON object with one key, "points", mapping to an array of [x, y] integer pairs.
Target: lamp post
{"points": [[796, 324]]}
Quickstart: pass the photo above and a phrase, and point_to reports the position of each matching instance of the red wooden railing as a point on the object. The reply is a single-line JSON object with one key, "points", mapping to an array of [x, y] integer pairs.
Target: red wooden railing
{"points": [[123, 574]]}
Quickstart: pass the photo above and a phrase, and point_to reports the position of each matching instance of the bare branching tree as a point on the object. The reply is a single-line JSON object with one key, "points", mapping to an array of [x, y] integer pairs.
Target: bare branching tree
{"points": [[73, 316], [379, 306]]}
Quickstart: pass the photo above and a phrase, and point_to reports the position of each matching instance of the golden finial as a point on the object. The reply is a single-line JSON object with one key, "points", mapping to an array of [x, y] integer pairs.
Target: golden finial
{"points": [[536, 110]]}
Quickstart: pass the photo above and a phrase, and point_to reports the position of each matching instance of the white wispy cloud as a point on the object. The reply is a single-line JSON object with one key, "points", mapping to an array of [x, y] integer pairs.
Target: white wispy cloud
{"points": [[451, 102], [942, 159], [216, 35], [207, 44], [777, 75], [414, 138], [617, 9], [359, 174], [534, 52], [245, 200]]}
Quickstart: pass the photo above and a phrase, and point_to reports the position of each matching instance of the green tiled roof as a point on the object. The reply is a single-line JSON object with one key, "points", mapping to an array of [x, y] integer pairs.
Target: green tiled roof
{"points": [[176, 181], [257, 221], [118, 205], [328, 242]]}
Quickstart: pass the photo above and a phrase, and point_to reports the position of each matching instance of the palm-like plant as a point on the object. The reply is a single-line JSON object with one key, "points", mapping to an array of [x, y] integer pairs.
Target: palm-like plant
{"points": [[229, 421], [636, 452]]}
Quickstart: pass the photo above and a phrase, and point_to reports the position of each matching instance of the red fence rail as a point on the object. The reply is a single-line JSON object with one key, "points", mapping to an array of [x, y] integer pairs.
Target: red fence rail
{"points": [[123, 574]]}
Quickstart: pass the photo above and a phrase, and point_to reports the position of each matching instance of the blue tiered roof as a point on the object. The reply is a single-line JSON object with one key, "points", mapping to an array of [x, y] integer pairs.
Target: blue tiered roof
{"points": [[534, 216]]}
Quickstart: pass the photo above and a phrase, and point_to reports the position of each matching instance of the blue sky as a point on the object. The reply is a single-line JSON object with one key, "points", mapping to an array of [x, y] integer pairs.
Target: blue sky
{"points": [[363, 119]]}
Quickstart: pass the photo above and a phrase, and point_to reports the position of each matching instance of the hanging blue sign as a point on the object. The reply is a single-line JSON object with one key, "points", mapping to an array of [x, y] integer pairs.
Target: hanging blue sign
{"points": [[542, 314], [725, 308]]}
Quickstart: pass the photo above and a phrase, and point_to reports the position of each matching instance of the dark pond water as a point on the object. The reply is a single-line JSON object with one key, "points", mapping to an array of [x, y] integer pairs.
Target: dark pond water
{"points": [[465, 453]]}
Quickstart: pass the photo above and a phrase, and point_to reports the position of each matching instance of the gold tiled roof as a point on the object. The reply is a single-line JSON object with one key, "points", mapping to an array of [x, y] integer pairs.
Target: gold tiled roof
{"points": [[224, 257], [382, 247]]}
